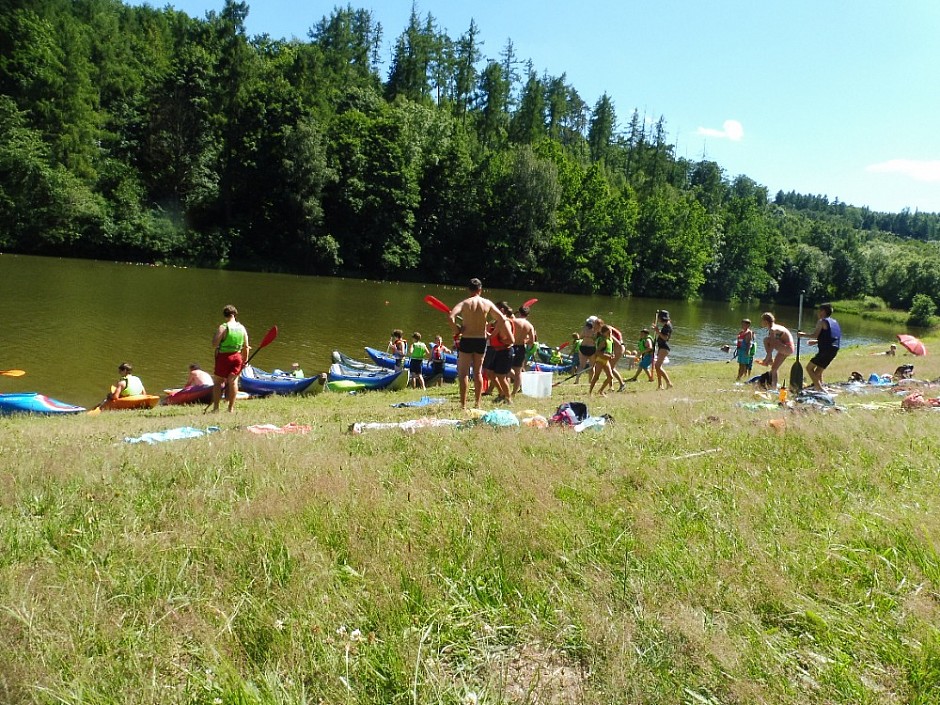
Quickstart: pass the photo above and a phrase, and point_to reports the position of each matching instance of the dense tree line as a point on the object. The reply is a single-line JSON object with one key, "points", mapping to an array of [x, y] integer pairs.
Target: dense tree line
{"points": [[137, 133]]}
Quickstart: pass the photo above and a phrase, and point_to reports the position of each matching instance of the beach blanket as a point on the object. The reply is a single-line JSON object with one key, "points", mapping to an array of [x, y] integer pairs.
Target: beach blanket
{"points": [[423, 401], [172, 434], [409, 426], [265, 428]]}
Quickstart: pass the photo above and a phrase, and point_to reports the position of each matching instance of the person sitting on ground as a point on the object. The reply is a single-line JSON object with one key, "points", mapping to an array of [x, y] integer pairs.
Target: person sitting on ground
{"points": [[128, 385], [198, 377], [419, 352], [892, 351]]}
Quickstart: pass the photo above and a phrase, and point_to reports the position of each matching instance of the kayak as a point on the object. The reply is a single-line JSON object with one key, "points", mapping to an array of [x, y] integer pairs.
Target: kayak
{"points": [[134, 401], [35, 403], [258, 382], [388, 361], [545, 367], [545, 354], [353, 363], [369, 379], [201, 393]]}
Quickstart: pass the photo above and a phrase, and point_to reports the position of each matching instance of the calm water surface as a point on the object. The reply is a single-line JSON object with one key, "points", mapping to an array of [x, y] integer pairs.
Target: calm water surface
{"points": [[69, 323]]}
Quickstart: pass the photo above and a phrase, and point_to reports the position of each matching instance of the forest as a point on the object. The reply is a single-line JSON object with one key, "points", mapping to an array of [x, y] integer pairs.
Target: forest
{"points": [[143, 134]]}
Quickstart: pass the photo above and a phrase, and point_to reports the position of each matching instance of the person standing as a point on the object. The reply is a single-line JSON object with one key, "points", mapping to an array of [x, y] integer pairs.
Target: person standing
{"points": [[645, 349], [398, 346], [828, 336], [472, 331], [229, 341], [419, 352], [501, 342], [438, 350], [779, 341], [526, 339], [663, 329], [744, 350]]}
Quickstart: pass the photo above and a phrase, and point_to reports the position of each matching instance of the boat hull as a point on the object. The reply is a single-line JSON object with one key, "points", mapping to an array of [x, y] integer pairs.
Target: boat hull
{"points": [[385, 379], [35, 403], [388, 361], [258, 382]]}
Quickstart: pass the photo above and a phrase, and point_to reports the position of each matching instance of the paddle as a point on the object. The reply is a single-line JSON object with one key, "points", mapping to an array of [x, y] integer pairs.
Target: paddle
{"points": [[97, 409], [796, 372], [530, 303], [435, 302], [265, 342], [12, 373]]}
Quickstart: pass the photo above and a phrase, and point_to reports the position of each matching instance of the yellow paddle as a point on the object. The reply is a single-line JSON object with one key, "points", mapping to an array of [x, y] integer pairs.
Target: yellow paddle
{"points": [[12, 373]]}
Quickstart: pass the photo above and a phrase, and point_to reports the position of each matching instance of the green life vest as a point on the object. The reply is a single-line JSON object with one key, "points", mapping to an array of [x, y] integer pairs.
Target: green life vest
{"points": [[419, 351], [132, 386], [234, 339], [641, 346]]}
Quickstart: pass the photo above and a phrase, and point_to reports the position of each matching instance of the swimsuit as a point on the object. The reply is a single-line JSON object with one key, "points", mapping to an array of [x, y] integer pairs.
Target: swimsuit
{"points": [[472, 346]]}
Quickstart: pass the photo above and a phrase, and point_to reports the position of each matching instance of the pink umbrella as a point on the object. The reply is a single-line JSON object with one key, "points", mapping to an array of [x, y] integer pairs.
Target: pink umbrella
{"points": [[913, 344]]}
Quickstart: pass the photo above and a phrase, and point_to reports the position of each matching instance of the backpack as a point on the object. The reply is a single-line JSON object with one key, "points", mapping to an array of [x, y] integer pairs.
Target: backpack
{"points": [[571, 413]]}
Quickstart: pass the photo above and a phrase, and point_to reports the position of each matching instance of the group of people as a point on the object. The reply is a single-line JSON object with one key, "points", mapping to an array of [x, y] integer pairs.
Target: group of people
{"points": [[492, 341], [779, 345], [416, 354], [230, 347]]}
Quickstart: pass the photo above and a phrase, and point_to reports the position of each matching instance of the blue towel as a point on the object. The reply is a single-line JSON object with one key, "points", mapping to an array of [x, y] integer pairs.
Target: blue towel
{"points": [[423, 401]]}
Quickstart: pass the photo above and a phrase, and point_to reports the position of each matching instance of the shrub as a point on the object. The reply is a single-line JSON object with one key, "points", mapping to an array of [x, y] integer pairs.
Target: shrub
{"points": [[922, 311]]}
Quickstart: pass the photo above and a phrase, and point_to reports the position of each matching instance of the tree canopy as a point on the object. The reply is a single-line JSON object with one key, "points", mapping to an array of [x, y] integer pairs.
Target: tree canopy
{"points": [[134, 132]]}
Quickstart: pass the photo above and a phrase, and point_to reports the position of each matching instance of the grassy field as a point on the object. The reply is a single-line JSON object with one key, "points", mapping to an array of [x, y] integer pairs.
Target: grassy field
{"points": [[693, 551]]}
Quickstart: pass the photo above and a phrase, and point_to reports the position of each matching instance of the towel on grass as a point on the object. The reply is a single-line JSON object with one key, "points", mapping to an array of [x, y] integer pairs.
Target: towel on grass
{"points": [[172, 434], [264, 428], [423, 401]]}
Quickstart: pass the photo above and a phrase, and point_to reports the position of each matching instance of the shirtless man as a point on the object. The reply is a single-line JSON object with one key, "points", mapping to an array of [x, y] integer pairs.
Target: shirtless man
{"points": [[501, 342], [474, 310], [525, 336], [778, 340]]}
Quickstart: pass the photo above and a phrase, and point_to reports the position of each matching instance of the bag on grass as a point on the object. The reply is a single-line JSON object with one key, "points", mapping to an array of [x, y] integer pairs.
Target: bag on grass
{"points": [[570, 413]]}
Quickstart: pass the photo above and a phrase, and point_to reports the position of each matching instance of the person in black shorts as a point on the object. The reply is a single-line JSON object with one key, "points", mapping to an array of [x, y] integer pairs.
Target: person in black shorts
{"points": [[828, 336], [472, 331], [663, 329]]}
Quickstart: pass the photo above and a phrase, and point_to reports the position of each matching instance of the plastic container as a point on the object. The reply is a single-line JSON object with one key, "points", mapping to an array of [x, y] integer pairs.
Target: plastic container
{"points": [[783, 394], [537, 384]]}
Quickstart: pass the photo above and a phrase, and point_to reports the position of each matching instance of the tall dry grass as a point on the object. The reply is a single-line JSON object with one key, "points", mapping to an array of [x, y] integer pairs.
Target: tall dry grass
{"points": [[690, 552]]}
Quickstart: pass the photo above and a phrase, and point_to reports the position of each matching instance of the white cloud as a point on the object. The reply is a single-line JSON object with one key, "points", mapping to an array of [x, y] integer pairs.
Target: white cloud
{"points": [[730, 130], [919, 170]]}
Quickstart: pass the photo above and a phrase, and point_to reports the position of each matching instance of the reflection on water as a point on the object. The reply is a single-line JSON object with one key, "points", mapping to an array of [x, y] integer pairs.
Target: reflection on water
{"points": [[69, 323]]}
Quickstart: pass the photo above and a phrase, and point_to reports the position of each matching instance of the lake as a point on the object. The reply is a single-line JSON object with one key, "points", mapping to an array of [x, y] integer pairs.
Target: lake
{"points": [[70, 323]]}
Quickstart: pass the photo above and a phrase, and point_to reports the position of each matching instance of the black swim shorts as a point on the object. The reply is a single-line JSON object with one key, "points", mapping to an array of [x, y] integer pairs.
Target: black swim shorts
{"points": [[501, 363], [472, 346], [518, 355], [824, 357], [587, 350]]}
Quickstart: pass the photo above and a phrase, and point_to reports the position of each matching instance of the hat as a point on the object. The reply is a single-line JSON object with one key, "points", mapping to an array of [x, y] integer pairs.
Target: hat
{"points": [[664, 315], [590, 320]]}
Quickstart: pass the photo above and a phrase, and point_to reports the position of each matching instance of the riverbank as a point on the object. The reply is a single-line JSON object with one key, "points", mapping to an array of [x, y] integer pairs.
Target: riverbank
{"points": [[874, 309], [693, 550]]}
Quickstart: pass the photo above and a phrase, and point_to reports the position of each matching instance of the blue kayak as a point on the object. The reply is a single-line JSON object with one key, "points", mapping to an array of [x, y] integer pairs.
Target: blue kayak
{"points": [[388, 361], [258, 382], [34, 403], [369, 379]]}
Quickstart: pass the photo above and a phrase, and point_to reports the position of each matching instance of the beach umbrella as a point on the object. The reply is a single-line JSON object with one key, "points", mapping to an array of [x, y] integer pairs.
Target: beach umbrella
{"points": [[914, 345]]}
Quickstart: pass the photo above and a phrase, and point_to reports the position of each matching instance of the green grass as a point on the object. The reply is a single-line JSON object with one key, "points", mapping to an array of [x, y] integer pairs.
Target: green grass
{"points": [[687, 553], [874, 309]]}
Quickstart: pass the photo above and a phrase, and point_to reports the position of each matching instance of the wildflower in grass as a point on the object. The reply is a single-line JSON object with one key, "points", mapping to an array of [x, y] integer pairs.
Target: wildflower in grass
{"points": [[471, 698]]}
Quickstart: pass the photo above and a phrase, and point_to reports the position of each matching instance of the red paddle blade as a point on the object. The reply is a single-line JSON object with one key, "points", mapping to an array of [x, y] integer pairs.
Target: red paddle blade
{"points": [[435, 302], [564, 345], [530, 302], [268, 337]]}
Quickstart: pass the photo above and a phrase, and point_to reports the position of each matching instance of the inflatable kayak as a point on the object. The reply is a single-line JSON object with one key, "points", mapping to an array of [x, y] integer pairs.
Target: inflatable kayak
{"points": [[201, 394], [258, 382], [388, 361], [353, 363], [34, 403], [368, 379]]}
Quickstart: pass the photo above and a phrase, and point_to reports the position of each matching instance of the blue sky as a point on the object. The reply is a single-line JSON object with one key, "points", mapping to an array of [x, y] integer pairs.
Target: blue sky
{"points": [[830, 97]]}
